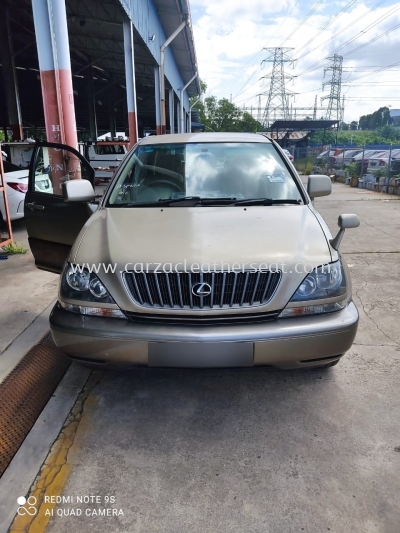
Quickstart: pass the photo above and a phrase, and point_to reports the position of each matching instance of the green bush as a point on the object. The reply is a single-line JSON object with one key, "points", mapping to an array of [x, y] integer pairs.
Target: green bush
{"points": [[309, 168], [14, 248], [354, 169]]}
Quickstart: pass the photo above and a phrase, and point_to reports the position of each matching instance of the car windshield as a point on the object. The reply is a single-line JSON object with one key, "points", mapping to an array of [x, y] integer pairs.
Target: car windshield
{"points": [[206, 170]]}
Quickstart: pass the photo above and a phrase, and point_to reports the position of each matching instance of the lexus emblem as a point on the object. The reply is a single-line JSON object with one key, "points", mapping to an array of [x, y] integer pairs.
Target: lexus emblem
{"points": [[201, 289]]}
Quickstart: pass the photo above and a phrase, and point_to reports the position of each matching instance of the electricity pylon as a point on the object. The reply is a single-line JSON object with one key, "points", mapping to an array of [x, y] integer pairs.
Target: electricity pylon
{"points": [[334, 109], [277, 106]]}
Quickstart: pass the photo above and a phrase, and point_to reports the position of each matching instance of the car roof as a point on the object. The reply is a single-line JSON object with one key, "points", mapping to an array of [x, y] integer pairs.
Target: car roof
{"points": [[203, 137]]}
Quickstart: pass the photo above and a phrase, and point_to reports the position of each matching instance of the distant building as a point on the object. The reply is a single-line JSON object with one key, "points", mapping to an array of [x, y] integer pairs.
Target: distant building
{"points": [[395, 117]]}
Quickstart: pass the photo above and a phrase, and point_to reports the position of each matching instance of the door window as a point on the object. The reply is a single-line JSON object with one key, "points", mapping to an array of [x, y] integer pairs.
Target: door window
{"points": [[54, 166]]}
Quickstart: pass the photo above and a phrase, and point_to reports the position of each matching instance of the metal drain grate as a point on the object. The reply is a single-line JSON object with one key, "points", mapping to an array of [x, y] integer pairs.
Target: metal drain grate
{"points": [[24, 394]]}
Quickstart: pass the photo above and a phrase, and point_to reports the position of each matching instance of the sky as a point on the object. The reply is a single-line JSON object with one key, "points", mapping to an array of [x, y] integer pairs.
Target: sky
{"points": [[230, 37]]}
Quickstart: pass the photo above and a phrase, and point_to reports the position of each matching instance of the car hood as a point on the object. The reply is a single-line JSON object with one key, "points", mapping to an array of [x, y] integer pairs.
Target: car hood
{"points": [[283, 234], [129, 238]]}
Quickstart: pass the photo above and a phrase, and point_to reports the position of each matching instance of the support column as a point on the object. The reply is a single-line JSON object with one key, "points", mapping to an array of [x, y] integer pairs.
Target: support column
{"points": [[91, 105], [51, 31], [171, 111], [10, 78], [182, 113], [178, 116], [58, 19], [111, 109], [157, 98], [130, 82]]}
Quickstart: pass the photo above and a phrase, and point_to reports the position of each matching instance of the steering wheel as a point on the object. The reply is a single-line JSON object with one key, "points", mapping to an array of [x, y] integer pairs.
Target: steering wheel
{"points": [[165, 182]]}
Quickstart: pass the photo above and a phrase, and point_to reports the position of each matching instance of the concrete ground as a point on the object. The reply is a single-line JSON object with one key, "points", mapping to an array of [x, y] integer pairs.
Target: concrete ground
{"points": [[255, 450], [25, 291]]}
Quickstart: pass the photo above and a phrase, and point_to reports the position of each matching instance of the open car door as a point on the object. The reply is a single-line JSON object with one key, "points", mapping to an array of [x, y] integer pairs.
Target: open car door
{"points": [[52, 223]]}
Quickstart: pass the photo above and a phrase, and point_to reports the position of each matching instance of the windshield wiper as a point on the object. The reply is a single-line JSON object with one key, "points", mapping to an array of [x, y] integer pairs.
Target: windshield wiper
{"points": [[193, 201], [266, 201], [186, 201]]}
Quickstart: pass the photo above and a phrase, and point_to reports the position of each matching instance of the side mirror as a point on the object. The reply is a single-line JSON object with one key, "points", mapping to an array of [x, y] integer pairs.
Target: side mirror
{"points": [[78, 191], [344, 222], [319, 185]]}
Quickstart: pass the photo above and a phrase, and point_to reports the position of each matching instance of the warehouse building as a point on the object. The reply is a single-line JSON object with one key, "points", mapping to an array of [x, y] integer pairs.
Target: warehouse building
{"points": [[80, 68]]}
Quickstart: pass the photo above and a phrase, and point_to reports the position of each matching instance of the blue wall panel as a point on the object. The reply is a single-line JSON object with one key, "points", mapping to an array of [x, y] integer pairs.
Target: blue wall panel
{"points": [[145, 19]]}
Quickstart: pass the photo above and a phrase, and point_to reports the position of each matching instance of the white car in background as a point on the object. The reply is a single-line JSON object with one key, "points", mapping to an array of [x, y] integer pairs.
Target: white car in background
{"points": [[324, 155], [17, 185], [288, 154], [381, 160]]}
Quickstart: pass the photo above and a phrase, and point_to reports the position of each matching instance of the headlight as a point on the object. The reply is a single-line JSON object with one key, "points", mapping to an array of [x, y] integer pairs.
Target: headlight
{"points": [[80, 284], [78, 281], [327, 281]]}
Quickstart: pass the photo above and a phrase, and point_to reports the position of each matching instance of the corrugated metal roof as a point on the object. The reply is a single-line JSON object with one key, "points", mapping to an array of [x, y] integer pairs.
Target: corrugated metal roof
{"points": [[171, 14], [293, 135]]}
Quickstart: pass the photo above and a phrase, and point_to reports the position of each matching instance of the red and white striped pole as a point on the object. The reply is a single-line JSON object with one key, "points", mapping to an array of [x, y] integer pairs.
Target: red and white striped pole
{"points": [[50, 21], [130, 82], [62, 63]]}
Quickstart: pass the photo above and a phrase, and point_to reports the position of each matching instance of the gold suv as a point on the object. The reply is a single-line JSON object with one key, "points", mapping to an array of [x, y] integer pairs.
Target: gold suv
{"points": [[204, 251]]}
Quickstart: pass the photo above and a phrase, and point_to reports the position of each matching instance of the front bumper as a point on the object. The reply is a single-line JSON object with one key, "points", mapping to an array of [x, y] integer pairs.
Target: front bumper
{"points": [[285, 343]]}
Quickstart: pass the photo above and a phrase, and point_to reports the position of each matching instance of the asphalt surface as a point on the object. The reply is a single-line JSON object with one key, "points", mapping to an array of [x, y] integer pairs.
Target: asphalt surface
{"points": [[255, 450]]}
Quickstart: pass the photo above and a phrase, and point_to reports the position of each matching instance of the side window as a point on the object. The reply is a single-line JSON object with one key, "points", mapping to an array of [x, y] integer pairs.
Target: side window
{"points": [[54, 166]]}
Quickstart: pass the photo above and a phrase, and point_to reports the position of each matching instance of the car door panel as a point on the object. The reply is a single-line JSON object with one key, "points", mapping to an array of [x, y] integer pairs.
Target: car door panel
{"points": [[52, 223]]}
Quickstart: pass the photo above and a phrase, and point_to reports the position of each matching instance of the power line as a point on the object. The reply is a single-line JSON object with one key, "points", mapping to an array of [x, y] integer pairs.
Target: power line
{"points": [[269, 40], [376, 71], [314, 66], [345, 28], [373, 40], [330, 21], [313, 9], [282, 23]]}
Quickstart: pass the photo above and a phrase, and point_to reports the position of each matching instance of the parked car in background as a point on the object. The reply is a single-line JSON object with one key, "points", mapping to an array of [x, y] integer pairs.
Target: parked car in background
{"points": [[323, 155], [381, 160], [343, 157], [366, 155], [104, 156], [395, 163], [377, 161], [288, 154], [17, 186], [348, 156]]}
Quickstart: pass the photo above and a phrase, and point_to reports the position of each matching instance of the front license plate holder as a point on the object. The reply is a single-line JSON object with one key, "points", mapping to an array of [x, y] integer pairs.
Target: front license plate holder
{"points": [[201, 354]]}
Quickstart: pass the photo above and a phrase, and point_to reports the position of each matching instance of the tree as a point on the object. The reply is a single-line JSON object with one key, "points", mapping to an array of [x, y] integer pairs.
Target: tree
{"points": [[345, 126], [223, 115], [354, 125], [323, 137], [378, 119], [249, 124]]}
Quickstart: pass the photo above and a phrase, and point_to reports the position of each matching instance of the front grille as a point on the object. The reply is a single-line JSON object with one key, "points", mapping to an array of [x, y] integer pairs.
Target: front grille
{"points": [[226, 289]]}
